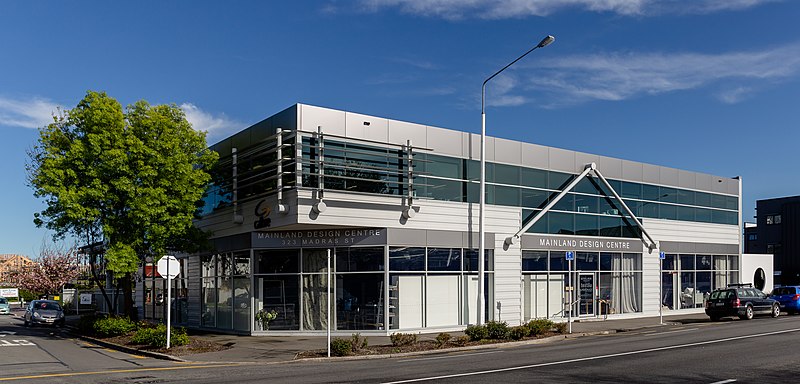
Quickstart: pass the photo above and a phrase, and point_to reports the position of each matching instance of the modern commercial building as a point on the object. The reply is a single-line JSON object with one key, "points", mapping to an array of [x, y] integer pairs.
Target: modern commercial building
{"points": [[777, 232], [396, 205]]}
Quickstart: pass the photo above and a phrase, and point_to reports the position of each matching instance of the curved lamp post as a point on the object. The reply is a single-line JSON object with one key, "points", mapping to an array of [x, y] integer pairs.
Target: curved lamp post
{"points": [[481, 246]]}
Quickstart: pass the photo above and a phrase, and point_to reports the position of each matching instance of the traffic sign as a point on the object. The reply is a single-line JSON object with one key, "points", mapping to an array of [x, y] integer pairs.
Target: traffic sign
{"points": [[570, 255], [168, 267], [661, 255]]}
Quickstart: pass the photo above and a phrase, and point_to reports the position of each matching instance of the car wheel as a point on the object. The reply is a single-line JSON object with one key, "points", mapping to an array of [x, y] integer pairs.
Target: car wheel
{"points": [[27, 324], [776, 310], [714, 318], [748, 312]]}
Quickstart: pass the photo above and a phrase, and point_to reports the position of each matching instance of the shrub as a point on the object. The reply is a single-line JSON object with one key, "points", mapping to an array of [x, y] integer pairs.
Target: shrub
{"points": [[539, 326], [476, 332], [518, 332], [401, 339], [86, 323], [461, 340], [113, 326], [442, 339], [357, 343], [561, 327], [157, 337], [497, 330], [341, 347]]}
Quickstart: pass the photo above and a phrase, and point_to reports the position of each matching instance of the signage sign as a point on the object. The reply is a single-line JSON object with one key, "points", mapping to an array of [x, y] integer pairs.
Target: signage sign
{"points": [[168, 267], [9, 292], [661, 255], [570, 255], [86, 298], [319, 238], [570, 243]]}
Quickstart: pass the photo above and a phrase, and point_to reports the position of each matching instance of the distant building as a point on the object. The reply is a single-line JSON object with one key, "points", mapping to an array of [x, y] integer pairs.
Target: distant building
{"points": [[9, 263], [777, 232]]}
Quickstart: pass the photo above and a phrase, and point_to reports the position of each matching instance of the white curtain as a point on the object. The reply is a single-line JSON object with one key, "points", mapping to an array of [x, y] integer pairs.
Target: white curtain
{"points": [[720, 271], [626, 284], [315, 288]]}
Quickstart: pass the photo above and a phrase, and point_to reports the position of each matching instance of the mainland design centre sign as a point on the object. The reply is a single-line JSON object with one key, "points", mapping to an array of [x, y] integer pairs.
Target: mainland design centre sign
{"points": [[556, 243], [319, 238]]}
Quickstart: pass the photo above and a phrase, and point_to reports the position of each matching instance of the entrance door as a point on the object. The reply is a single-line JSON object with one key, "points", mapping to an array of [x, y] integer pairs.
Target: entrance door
{"points": [[586, 295]]}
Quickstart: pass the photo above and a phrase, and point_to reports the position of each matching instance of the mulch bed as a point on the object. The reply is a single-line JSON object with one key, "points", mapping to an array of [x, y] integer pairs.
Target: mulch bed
{"points": [[419, 346], [196, 345]]}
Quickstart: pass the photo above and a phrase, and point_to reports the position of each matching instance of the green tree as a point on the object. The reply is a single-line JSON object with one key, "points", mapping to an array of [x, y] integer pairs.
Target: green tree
{"points": [[131, 179]]}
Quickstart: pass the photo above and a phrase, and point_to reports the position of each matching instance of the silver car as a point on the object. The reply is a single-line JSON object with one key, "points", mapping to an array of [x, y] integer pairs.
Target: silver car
{"points": [[47, 312], [4, 309]]}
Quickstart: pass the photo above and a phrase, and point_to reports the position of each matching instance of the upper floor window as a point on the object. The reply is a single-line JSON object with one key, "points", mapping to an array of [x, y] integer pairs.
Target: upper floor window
{"points": [[773, 219], [752, 237]]}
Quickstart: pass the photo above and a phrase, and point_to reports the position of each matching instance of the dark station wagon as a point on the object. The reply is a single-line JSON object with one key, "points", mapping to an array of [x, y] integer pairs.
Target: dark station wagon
{"points": [[740, 300]]}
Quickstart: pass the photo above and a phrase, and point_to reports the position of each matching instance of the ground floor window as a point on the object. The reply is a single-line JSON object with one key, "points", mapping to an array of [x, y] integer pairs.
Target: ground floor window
{"points": [[688, 279]]}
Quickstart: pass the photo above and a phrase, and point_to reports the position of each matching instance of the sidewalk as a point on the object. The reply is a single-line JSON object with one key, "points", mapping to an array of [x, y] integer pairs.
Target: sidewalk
{"points": [[274, 349]]}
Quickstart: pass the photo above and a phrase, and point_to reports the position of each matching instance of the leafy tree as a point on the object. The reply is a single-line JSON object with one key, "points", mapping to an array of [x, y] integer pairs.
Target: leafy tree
{"points": [[130, 179], [54, 267]]}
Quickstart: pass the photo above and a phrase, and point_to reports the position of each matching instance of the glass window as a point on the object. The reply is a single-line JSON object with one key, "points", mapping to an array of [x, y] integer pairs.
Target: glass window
{"points": [[587, 204], [702, 199], [208, 265], [441, 166], [630, 229], [732, 202], [650, 192], [586, 225], [588, 185], [558, 261], [608, 260], [609, 206], [610, 226], [586, 261], [241, 260], [631, 190], [473, 168], [702, 215], [506, 195], [506, 174], [534, 260], [315, 260], [447, 190], [474, 193], [703, 262], [278, 261], [471, 260], [540, 226], [567, 203], [534, 198], [669, 212], [281, 294], [359, 259], [359, 301], [668, 195], [534, 177], [686, 197], [669, 262], [685, 213], [407, 259], [444, 259], [687, 262], [718, 201], [561, 223], [558, 180]]}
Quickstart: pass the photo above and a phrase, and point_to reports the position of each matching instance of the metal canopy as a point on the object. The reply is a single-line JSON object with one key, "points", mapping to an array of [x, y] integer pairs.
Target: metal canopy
{"points": [[591, 167]]}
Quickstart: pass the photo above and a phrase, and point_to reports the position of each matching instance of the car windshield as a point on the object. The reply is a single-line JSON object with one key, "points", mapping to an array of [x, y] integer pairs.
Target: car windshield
{"points": [[3, 300], [47, 306], [783, 291]]}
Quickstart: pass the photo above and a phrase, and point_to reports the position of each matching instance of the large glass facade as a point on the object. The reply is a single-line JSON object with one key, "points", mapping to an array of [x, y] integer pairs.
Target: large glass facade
{"points": [[226, 292], [612, 282], [688, 279]]}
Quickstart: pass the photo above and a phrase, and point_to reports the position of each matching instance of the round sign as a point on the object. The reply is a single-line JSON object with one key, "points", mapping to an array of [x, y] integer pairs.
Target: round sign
{"points": [[168, 267]]}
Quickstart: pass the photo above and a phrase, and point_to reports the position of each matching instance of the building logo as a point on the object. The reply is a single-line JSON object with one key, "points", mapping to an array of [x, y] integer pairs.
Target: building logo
{"points": [[262, 213]]}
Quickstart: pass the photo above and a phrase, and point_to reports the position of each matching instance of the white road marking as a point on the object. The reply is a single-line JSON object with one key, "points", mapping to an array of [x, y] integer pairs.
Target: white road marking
{"points": [[724, 381], [570, 361], [448, 356], [16, 343]]}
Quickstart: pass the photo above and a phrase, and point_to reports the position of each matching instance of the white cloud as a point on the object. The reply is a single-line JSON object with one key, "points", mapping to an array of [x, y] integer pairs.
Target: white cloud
{"points": [[27, 113], [501, 9], [733, 96], [217, 126], [574, 79]]}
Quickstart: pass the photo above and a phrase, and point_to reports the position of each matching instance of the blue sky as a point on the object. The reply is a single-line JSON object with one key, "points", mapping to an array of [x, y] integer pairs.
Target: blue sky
{"points": [[704, 85]]}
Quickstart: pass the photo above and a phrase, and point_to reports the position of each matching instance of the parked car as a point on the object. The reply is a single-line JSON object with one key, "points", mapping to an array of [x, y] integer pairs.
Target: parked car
{"points": [[4, 308], [740, 300], [46, 312], [788, 298]]}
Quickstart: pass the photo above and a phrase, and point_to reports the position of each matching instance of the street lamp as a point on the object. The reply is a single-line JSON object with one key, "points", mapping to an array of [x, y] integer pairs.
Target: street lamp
{"points": [[481, 246]]}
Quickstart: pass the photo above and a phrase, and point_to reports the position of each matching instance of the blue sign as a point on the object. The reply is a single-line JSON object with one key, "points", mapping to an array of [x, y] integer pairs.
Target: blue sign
{"points": [[661, 255], [570, 255]]}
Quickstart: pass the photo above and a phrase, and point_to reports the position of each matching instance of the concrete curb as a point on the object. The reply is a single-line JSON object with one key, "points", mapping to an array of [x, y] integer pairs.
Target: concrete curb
{"points": [[156, 355]]}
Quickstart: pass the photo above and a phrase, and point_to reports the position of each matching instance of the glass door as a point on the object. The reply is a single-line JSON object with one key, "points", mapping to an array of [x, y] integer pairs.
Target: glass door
{"points": [[586, 295]]}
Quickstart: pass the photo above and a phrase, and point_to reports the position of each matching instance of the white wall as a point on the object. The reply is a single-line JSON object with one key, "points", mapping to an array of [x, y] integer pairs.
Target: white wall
{"points": [[750, 262]]}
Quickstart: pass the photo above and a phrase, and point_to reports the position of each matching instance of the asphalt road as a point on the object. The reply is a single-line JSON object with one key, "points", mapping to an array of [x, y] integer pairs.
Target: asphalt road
{"points": [[763, 349]]}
